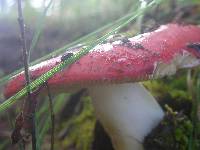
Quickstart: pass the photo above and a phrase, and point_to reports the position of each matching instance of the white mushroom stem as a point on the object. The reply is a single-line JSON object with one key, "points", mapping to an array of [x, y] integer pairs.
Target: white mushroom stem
{"points": [[128, 113]]}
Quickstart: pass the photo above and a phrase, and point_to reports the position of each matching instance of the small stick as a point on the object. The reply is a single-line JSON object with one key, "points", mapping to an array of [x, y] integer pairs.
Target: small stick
{"points": [[52, 116], [23, 41], [28, 102]]}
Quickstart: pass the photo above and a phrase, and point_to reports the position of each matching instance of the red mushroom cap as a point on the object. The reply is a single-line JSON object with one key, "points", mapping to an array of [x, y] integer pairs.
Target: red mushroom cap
{"points": [[126, 60]]}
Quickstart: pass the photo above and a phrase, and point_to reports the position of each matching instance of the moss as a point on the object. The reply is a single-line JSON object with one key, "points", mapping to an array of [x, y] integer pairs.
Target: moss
{"points": [[177, 131], [168, 92], [176, 88], [172, 133], [81, 127]]}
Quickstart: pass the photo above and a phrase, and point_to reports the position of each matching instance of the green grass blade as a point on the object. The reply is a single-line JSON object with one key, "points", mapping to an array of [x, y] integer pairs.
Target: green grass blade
{"points": [[40, 25], [39, 81], [61, 50], [192, 144]]}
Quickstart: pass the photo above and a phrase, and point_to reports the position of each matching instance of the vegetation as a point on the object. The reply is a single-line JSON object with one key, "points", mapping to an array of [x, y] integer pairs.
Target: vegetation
{"points": [[53, 26]]}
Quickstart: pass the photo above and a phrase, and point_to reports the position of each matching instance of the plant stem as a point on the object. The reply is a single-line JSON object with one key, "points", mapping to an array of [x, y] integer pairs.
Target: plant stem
{"points": [[52, 115], [28, 102]]}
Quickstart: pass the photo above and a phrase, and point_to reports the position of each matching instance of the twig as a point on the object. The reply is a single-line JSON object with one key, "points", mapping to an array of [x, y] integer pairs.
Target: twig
{"points": [[28, 102], [52, 116], [23, 41], [195, 103]]}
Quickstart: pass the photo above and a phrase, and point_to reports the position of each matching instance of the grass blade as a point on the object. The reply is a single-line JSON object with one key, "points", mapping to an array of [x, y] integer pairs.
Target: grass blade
{"points": [[39, 81]]}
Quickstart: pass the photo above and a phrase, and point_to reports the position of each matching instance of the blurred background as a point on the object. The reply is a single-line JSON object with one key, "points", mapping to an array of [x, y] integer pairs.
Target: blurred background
{"points": [[65, 21], [57, 23]]}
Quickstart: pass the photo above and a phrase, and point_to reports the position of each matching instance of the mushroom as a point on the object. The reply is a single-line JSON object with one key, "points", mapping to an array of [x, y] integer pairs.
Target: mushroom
{"points": [[111, 72]]}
